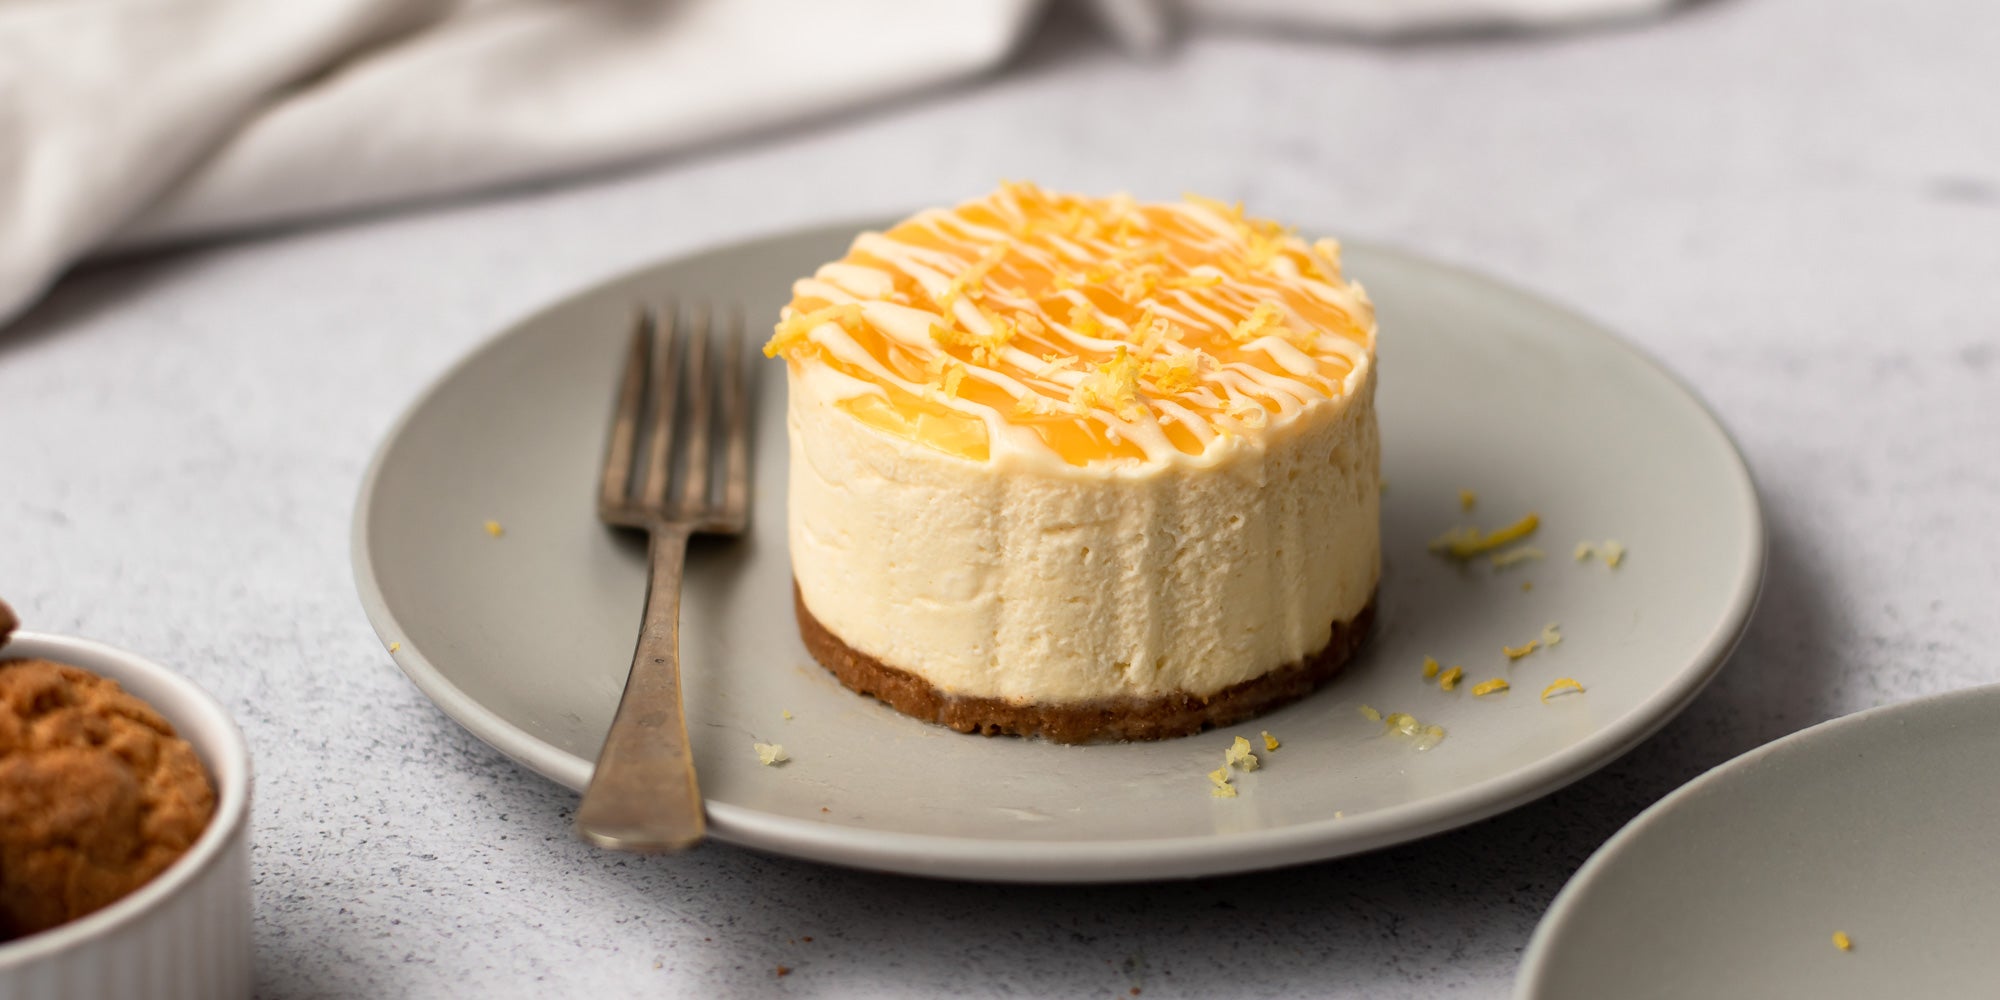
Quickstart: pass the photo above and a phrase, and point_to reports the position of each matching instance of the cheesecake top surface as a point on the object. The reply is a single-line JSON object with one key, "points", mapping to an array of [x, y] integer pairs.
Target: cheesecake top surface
{"points": [[1079, 331]]}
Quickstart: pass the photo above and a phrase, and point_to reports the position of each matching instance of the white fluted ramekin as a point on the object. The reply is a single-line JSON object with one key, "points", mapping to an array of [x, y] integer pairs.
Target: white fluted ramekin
{"points": [[185, 934]]}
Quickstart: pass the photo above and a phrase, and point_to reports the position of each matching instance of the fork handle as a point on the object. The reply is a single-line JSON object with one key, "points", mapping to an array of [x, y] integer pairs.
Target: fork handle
{"points": [[642, 795]]}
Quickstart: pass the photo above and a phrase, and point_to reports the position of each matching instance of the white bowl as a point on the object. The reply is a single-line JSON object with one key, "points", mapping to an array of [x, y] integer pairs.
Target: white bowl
{"points": [[187, 932]]}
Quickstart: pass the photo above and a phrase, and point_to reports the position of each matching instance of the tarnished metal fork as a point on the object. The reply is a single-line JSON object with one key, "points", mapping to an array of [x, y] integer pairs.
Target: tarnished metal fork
{"points": [[643, 795]]}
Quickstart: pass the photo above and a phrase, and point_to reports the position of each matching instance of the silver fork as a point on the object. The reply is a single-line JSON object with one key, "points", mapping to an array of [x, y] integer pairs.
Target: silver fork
{"points": [[643, 795]]}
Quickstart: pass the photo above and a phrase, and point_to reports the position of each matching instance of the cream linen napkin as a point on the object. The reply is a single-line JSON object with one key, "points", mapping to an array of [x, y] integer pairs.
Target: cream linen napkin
{"points": [[126, 122]]}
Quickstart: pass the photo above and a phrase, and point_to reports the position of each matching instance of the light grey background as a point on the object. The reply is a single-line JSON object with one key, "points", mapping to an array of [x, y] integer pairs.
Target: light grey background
{"points": [[1794, 203]]}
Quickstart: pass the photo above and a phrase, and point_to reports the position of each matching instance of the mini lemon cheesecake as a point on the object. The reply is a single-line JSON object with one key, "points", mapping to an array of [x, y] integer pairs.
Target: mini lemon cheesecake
{"points": [[1082, 468]]}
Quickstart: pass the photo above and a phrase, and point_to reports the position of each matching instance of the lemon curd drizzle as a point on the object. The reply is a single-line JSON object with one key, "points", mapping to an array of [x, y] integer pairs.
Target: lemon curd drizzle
{"points": [[1094, 329]]}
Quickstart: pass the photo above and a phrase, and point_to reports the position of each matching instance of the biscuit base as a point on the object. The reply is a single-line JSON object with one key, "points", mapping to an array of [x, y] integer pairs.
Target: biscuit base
{"points": [[1165, 717]]}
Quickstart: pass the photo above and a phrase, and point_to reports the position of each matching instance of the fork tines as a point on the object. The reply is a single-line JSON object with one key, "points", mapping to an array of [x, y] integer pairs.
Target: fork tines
{"points": [[679, 449]]}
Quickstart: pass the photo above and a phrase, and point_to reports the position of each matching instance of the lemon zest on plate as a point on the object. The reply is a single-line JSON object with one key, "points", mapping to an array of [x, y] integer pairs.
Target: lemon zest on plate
{"points": [[1220, 779], [1484, 688], [1466, 541], [1516, 652], [1430, 667], [1270, 742], [1450, 678], [1561, 685], [1239, 755]]}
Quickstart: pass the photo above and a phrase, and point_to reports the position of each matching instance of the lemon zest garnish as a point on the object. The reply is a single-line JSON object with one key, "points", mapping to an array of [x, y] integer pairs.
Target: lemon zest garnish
{"points": [[1175, 373], [1516, 652], [1467, 500], [394, 646], [493, 528], [1430, 667], [1239, 755], [985, 349], [1054, 363], [1584, 550], [1842, 941], [786, 713], [946, 373], [1517, 554], [1485, 688], [1083, 319], [1265, 315], [770, 754], [1450, 678], [1035, 405], [1560, 685], [1466, 541], [1551, 634], [793, 331], [1270, 742], [1432, 736], [1614, 554], [970, 282], [1405, 723], [1370, 714], [1115, 384]]}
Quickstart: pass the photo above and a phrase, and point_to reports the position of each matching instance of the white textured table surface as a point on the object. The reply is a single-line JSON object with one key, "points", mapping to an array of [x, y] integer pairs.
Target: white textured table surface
{"points": [[1793, 203]]}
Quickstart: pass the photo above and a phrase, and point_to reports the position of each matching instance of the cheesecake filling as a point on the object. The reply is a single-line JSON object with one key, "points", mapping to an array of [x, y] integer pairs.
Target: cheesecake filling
{"points": [[1064, 589]]}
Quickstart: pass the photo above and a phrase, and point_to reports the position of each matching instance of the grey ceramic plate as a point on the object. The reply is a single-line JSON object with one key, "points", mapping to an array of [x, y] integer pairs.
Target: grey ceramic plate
{"points": [[1880, 826], [525, 638]]}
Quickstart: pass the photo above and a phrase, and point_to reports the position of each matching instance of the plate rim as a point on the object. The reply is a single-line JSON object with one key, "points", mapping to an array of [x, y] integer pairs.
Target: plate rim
{"points": [[1534, 967], [942, 856]]}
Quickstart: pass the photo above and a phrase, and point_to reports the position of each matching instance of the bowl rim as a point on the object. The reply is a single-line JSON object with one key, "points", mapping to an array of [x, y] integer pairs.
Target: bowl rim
{"points": [[198, 718]]}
